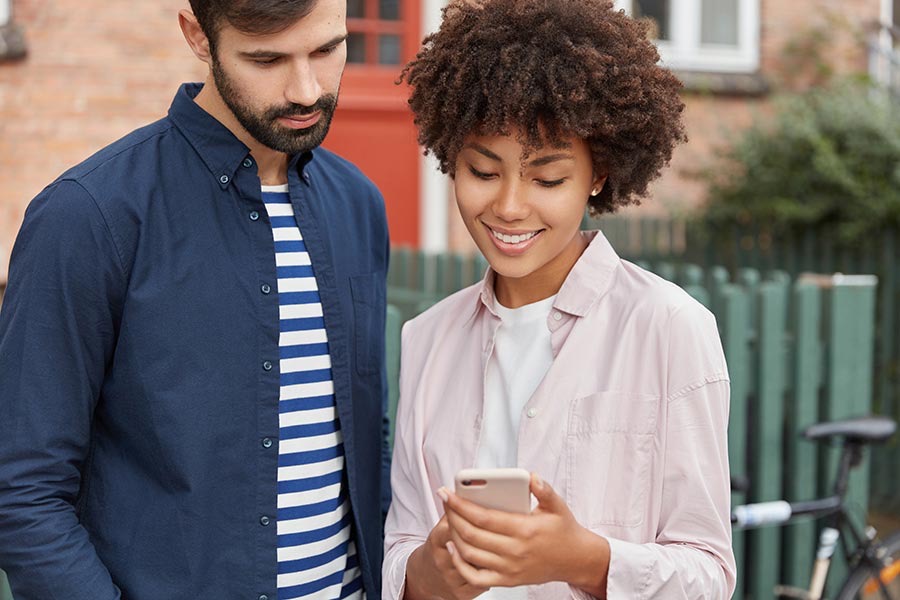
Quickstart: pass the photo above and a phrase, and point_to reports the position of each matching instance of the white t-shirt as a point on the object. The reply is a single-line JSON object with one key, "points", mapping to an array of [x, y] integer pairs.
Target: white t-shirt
{"points": [[522, 354]]}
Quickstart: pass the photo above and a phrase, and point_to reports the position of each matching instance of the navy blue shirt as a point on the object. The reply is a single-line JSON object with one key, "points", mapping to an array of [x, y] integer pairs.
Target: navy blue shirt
{"points": [[139, 375]]}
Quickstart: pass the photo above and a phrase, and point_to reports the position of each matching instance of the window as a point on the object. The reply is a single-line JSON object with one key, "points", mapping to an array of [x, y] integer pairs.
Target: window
{"points": [[376, 30], [703, 35]]}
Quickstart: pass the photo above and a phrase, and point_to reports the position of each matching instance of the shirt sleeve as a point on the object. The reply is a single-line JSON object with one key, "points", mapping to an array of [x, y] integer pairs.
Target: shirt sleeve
{"points": [[413, 513], [57, 335], [692, 556]]}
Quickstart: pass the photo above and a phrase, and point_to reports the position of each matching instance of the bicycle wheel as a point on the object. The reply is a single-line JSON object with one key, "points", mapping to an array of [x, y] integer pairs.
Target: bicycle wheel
{"points": [[862, 584]]}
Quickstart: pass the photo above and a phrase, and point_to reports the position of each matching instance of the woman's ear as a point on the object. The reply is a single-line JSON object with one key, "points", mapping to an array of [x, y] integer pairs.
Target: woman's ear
{"points": [[194, 35], [599, 182]]}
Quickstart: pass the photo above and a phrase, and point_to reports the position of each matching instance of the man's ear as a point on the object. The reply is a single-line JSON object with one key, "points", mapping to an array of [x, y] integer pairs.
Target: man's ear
{"points": [[194, 35]]}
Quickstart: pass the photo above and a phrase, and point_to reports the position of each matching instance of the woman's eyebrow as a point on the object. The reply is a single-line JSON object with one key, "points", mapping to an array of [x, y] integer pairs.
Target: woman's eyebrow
{"points": [[545, 160], [484, 151]]}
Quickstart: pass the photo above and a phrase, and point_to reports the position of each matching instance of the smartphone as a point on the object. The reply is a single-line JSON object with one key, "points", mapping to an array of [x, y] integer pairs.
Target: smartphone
{"points": [[500, 489]]}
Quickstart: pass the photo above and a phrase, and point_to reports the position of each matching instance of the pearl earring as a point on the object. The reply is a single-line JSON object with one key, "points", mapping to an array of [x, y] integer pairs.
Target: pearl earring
{"points": [[594, 192]]}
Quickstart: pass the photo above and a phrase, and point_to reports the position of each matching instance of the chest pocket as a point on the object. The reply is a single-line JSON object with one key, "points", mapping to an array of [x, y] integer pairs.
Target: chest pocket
{"points": [[609, 453], [368, 321]]}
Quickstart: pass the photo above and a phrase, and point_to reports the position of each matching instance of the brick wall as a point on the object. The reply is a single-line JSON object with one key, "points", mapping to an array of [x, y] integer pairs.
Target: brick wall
{"points": [[798, 38], [96, 69]]}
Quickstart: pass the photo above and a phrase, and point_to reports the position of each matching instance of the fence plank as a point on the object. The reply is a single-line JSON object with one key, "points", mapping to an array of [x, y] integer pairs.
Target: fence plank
{"points": [[5, 593], [851, 327], [767, 435], [734, 318], [800, 484], [393, 325]]}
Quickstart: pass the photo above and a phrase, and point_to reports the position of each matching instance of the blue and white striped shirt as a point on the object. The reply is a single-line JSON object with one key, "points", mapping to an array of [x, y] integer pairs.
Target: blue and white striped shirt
{"points": [[317, 556]]}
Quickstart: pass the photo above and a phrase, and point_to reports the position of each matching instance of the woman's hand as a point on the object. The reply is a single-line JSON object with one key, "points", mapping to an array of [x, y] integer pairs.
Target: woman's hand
{"points": [[430, 572], [495, 548]]}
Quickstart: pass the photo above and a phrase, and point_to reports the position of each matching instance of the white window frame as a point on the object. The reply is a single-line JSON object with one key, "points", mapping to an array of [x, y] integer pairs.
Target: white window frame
{"points": [[685, 52], [5, 12]]}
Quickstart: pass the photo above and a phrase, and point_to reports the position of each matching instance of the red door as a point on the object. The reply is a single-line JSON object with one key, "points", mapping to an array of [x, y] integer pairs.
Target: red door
{"points": [[373, 126]]}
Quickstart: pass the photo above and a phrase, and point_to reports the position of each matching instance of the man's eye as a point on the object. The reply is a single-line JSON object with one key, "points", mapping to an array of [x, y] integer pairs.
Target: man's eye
{"points": [[265, 61]]}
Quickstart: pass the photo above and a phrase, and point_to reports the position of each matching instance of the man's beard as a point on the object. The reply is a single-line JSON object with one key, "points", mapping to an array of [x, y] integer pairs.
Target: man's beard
{"points": [[264, 126]]}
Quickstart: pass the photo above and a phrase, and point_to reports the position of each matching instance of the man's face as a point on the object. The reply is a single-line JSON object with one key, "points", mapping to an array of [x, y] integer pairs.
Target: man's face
{"points": [[283, 88]]}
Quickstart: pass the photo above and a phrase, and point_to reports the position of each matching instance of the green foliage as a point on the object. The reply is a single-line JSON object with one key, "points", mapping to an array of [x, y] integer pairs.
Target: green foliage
{"points": [[829, 157]]}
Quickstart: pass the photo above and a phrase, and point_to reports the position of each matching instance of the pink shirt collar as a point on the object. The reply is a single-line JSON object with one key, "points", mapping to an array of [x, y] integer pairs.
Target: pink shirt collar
{"points": [[587, 282]]}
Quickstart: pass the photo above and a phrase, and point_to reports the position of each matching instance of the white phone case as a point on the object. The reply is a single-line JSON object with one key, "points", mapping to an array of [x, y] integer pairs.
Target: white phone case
{"points": [[500, 489]]}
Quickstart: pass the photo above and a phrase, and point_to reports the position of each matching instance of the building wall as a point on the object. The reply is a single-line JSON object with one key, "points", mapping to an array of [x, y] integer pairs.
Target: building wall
{"points": [[802, 42], [97, 69]]}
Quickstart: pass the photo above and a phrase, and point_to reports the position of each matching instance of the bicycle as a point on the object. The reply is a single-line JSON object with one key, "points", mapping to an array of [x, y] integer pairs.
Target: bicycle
{"points": [[874, 564]]}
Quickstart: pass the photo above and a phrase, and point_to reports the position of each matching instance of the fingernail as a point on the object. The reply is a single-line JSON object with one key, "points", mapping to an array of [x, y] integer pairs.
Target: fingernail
{"points": [[442, 493], [451, 548], [538, 482]]}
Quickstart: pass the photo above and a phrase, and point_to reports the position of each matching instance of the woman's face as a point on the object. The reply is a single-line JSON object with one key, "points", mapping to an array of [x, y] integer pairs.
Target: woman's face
{"points": [[525, 216]]}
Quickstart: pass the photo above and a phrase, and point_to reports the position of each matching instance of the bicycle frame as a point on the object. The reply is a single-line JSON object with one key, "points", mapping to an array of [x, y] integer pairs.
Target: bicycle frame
{"points": [[833, 509]]}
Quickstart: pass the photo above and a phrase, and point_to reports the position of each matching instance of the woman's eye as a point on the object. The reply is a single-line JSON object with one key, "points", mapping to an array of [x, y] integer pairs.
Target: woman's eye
{"points": [[550, 183], [480, 174]]}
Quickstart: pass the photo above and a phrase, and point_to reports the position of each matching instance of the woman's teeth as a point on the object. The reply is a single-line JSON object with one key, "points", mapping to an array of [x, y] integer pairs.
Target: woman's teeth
{"points": [[513, 239]]}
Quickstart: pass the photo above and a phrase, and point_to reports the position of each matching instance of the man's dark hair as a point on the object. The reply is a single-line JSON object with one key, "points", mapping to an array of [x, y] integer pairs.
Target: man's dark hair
{"points": [[249, 16], [550, 68]]}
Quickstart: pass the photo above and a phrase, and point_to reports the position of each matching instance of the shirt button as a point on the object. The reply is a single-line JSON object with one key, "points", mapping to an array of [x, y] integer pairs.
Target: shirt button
{"points": [[264, 521], [224, 179], [557, 316], [532, 413], [247, 163], [254, 216], [263, 597], [265, 288], [267, 366], [306, 177], [267, 443]]}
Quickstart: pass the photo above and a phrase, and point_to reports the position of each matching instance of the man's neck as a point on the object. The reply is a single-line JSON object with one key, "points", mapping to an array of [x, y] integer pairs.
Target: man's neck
{"points": [[271, 165]]}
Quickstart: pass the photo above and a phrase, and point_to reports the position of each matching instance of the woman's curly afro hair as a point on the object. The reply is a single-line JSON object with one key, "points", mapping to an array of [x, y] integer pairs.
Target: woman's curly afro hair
{"points": [[549, 69]]}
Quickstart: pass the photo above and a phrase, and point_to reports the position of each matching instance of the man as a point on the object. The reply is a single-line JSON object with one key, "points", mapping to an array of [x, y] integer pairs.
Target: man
{"points": [[192, 385]]}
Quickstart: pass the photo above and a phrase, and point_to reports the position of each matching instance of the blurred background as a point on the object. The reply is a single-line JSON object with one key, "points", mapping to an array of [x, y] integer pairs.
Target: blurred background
{"points": [[793, 166]]}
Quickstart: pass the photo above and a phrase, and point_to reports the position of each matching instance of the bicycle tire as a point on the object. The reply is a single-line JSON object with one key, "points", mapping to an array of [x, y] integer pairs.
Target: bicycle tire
{"points": [[861, 583]]}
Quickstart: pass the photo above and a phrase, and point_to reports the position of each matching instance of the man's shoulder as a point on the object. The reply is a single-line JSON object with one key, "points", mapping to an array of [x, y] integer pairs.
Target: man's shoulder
{"points": [[120, 157]]}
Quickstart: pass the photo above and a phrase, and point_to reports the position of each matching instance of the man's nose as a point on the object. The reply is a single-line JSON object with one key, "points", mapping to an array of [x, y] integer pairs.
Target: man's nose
{"points": [[302, 87]]}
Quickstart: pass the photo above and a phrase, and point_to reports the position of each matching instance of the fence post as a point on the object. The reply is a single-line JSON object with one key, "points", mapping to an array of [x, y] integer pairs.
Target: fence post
{"points": [[398, 273], [692, 282], [393, 324], [803, 411], [5, 593], [767, 435], [734, 320], [851, 329]]}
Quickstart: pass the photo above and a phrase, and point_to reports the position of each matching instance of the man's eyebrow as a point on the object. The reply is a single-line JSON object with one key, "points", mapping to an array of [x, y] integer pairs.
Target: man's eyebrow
{"points": [[482, 150], [275, 54], [546, 160], [262, 54], [334, 41]]}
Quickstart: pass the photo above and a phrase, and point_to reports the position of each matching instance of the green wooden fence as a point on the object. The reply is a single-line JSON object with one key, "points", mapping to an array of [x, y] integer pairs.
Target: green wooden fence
{"points": [[815, 249], [798, 349]]}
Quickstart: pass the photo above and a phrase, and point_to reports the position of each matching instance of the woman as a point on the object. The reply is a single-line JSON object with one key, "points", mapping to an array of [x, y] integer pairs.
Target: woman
{"points": [[606, 382]]}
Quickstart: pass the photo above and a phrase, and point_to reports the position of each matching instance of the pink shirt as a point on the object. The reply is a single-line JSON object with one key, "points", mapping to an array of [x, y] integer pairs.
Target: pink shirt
{"points": [[628, 425]]}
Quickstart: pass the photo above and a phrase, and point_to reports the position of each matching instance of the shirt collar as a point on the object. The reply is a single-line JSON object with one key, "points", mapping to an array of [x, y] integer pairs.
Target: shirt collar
{"points": [[588, 281], [221, 151]]}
